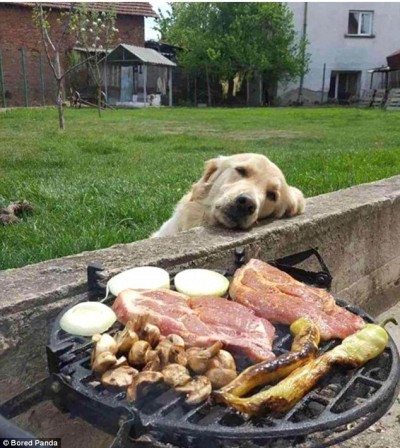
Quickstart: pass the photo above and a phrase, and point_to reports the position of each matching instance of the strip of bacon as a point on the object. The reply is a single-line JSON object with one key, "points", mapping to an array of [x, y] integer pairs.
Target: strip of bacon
{"points": [[200, 321], [276, 296]]}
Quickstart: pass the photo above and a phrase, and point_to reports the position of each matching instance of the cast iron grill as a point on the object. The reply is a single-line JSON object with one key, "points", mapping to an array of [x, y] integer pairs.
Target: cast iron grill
{"points": [[344, 403]]}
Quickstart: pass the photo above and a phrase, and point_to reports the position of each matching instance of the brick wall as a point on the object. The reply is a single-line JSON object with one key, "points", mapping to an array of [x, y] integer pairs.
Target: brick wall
{"points": [[17, 31]]}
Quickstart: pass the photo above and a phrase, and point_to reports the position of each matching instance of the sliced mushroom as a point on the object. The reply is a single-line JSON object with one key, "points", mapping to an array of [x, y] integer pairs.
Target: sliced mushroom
{"points": [[119, 377], [137, 353], [224, 360], [197, 390], [103, 343], [220, 377], [103, 362], [198, 359], [175, 375], [126, 338], [142, 383], [152, 361], [151, 334]]}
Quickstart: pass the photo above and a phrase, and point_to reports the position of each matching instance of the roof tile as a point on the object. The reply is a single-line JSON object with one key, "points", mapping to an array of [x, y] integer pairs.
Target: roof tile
{"points": [[128, 8]]}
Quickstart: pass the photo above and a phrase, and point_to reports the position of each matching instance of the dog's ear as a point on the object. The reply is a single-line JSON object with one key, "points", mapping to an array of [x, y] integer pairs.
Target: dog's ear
{"points": [[201, 188], [211, 167]]}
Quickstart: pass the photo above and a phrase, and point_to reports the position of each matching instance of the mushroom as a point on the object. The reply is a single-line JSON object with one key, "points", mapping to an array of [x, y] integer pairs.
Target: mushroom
{"points": [[224, 360], [175, 375], [163, 350], [126, 338], [176, 340], [103, 362], [139, 323], [120, 377], [151, 334], [137, 353], [178, 355], [142, 383], [121, 361], [196, 390], [103, 343], [198, 359], [220, 377], [152, 361]]}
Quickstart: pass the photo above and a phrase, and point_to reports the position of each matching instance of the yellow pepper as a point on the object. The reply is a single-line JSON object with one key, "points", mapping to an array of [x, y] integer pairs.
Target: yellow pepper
{"points": [[354, 351]]}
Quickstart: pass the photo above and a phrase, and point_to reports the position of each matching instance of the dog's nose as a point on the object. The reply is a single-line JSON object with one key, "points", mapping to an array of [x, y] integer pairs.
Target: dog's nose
{"points": [[245, 205]]}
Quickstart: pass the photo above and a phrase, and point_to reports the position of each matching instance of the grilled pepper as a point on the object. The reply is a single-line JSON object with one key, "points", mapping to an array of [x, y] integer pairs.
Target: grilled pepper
{"points": [[304, 347], [354, 351]]}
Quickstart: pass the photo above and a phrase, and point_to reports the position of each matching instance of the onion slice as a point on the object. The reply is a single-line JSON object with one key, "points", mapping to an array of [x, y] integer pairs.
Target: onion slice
{"points": [[201, 282], [87, 319], [144, 277]]}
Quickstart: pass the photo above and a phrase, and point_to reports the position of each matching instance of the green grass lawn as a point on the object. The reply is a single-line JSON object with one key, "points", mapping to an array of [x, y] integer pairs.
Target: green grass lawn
{"points": [[116, 179]]}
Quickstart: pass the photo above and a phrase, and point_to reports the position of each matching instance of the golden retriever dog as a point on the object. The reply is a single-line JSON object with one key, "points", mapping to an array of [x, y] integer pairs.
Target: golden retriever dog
{"points": [[235, 191]]}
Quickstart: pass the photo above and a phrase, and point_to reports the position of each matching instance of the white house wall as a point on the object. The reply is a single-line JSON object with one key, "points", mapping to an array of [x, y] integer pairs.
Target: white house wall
{"points": [[326, 29]]}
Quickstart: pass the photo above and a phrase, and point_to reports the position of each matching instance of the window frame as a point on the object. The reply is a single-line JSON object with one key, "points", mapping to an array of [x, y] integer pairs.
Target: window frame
{"points": [[360, 12]]}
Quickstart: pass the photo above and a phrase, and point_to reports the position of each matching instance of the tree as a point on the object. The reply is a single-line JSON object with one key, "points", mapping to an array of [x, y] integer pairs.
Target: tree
{"points": [[188, 26], [227, 39], [95, 31], [56, 35], [52, 46]]}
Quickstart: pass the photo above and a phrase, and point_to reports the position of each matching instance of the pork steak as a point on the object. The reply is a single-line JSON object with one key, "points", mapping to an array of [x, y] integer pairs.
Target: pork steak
{"points": [[200, 321], [276, 296]]}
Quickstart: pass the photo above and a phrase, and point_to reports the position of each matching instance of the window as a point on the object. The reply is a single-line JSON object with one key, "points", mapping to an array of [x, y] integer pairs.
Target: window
{"points": [[360, 23]]}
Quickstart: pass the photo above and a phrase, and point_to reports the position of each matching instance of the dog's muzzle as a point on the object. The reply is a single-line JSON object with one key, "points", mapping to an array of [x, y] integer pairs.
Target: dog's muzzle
{"points": [[240, 211]]}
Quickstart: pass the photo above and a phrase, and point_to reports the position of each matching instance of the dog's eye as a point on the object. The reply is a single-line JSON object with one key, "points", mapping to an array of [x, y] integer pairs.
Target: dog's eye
{"points": [[242, 171], [272, 196]]}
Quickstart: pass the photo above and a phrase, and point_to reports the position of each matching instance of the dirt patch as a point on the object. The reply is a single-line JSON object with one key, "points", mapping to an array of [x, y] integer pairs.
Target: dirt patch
{"points": [[262, 135], [232, 135]]}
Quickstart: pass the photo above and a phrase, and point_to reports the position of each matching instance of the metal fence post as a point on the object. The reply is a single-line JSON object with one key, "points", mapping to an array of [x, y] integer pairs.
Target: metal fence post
{"points": [[42, 80], [2, 84], [23, 59]]}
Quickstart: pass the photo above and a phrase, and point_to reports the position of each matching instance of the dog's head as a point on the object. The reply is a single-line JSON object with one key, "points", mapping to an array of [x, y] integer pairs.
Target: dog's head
{"points": [[240, 189]]}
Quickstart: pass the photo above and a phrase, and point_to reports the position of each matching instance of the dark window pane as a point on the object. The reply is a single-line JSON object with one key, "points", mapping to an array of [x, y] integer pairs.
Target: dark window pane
{"points": [[353, 22]]}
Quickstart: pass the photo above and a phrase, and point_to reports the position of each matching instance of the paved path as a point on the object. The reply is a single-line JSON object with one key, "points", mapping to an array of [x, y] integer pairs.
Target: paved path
{"points": [[386, 432]]}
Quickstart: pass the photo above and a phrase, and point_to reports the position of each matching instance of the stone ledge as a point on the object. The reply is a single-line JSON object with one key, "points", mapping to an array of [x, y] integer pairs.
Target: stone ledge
{"points": [[357, 231], [56, 279]]}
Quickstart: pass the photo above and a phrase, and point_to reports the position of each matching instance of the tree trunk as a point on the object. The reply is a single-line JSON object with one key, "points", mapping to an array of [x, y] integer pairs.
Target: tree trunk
{"points": [[61, 120], [247, 91], [99, 100], [208, 87], [60, 96], [195, 90], [230, 92]]}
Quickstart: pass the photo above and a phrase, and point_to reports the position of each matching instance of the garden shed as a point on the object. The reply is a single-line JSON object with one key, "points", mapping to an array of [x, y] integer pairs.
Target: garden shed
{"points": [[138, 77]]}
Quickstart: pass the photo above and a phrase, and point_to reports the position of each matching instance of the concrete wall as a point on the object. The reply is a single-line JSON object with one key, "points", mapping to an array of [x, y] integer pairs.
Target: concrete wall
{"points": [[326, 29], [357, 231]]}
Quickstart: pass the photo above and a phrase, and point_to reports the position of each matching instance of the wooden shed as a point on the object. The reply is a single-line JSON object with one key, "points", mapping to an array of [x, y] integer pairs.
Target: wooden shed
{"points": [[138, 76]]}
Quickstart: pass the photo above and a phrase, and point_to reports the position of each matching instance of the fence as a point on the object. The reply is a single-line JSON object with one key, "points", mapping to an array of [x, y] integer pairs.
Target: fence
{"points": [[26, 79]]}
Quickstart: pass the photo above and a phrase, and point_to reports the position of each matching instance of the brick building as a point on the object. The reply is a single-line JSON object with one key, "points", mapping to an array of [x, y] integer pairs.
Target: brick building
{"points": [[25, 77]]}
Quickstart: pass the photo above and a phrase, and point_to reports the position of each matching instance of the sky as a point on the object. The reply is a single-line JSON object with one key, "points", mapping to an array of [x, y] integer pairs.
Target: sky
{"points": [[149, 32]]}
